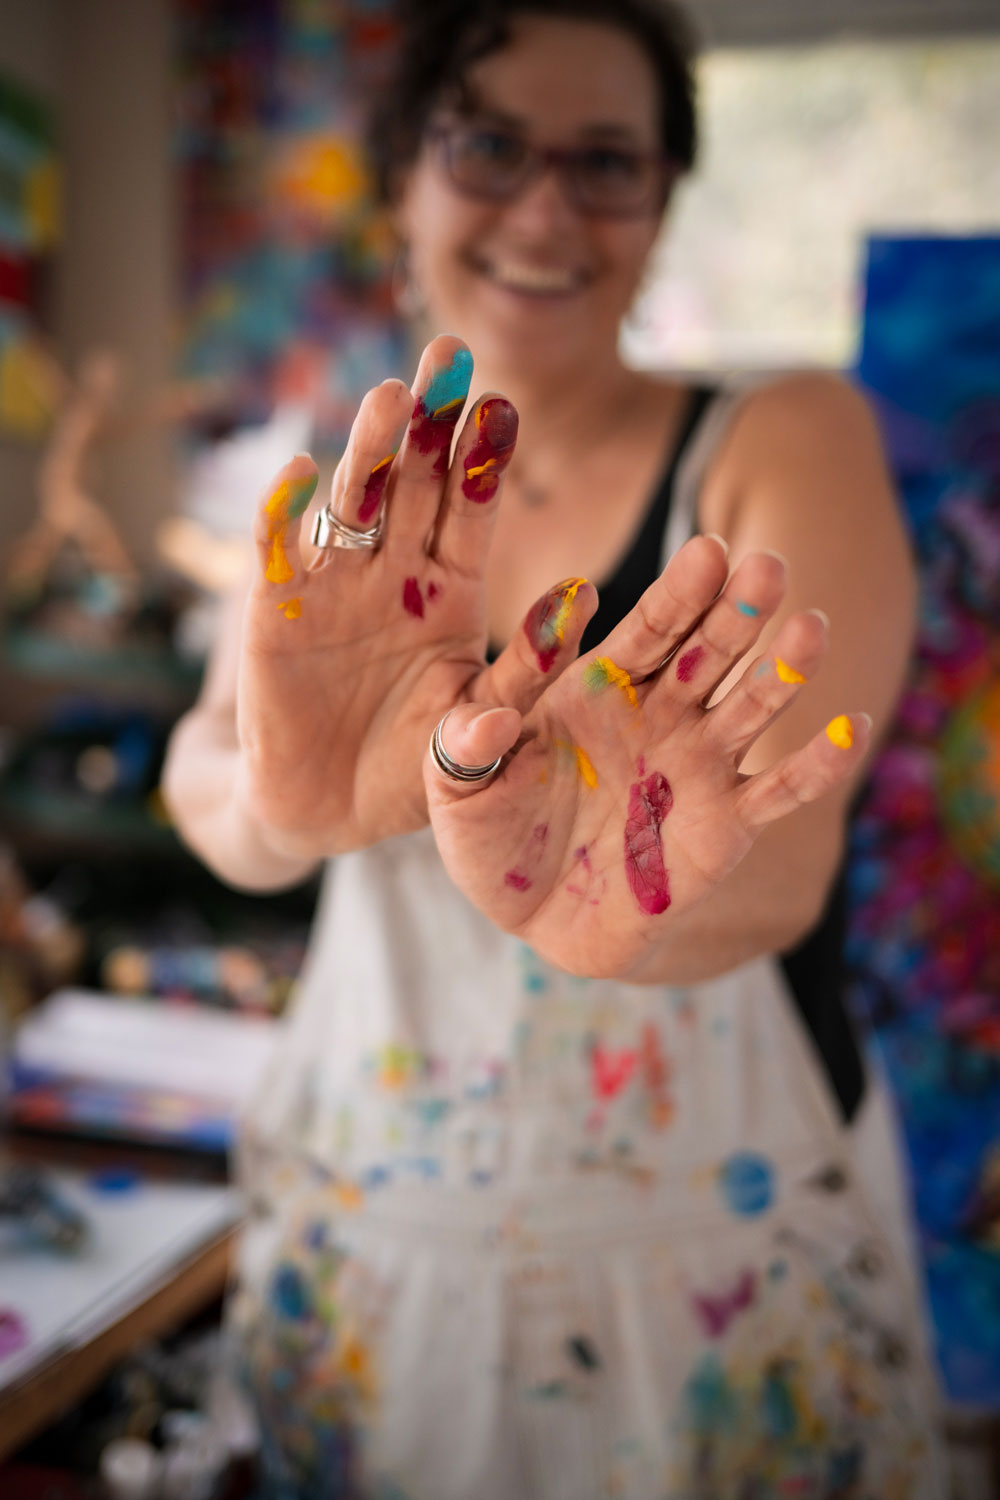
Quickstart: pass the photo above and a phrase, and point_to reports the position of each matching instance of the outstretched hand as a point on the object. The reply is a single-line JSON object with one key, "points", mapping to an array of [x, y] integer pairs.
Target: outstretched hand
{"points": [[348, 659], [620, 804]]}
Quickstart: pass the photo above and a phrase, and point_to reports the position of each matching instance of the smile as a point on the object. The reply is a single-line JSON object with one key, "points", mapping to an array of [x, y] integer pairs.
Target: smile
{"points": [[538, 281]]}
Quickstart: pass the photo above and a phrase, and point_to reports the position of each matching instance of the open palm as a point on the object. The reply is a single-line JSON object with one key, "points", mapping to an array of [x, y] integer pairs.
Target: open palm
{"points": [[621, 803], [348, 659]]}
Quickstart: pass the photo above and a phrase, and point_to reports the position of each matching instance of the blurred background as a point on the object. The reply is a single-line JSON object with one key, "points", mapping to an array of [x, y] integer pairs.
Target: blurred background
{"points": [[194, 285]]}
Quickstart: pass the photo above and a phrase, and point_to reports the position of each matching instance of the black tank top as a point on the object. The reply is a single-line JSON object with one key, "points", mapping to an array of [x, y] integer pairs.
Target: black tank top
{"points": [[815, 970]]}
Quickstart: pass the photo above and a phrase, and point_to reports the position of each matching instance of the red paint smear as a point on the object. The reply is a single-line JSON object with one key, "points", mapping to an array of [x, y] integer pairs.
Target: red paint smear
{"points": [[688, 664], [413, 601], [497, 431], [539, 629], [649, 802], [374, 490], [432, 591], [610, 1071], [433, 434], [521, 879]]}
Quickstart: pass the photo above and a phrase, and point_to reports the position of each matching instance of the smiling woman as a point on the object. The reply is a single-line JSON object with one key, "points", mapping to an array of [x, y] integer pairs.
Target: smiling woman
{"points": [[557, 1170]]}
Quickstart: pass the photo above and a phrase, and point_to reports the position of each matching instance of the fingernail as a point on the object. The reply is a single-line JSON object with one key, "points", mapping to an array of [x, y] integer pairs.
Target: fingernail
{"points": [[720, 539], [820, 614], [868, 721], [770, 552]]}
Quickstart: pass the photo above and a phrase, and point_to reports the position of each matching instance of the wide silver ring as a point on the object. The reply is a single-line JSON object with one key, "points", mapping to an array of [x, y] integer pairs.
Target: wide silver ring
{"points": [[330, 531], [451, 768]]}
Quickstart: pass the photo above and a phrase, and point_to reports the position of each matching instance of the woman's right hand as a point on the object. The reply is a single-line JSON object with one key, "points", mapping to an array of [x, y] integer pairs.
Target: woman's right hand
{"points": [[349, 662]]}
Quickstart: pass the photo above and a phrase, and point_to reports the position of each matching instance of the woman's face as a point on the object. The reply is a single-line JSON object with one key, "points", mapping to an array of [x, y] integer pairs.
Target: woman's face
{"points": [[533, 282]]}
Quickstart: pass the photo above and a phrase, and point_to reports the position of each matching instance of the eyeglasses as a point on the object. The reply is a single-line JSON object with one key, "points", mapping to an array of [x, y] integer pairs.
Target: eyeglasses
{"points": [[487, 161]]}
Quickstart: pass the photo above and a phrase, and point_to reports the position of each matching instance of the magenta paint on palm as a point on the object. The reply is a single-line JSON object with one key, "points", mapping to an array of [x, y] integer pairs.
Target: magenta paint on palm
{"points": [[374, 490], [496, 433], [688, 663], [649, 801], [522, 877], [413, 599]]}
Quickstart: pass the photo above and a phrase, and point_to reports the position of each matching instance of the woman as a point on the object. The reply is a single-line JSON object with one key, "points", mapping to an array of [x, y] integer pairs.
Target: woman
{"points": [[553, 1191]]}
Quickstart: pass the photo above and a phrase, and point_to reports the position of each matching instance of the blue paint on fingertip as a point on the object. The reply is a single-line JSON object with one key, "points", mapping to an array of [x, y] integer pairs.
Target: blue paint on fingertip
{"points": [[449, 384]]}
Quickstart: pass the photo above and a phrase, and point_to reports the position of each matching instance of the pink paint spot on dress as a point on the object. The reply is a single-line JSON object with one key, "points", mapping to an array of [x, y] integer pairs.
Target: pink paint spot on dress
{"points": [[716, 1310], [374, 490], [610, 1071], [649, 801], [521, 878], [688, 663], [413, 600]]}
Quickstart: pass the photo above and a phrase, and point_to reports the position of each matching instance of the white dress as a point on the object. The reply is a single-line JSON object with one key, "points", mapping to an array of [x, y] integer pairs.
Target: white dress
{"points": [[520, 1236]]}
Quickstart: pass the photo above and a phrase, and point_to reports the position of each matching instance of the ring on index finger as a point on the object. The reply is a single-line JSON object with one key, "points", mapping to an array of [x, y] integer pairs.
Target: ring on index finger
{"points": [[330, 531]]}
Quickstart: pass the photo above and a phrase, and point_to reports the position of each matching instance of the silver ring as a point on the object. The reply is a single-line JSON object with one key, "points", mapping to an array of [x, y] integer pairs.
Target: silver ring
{"points": [[451, 768], [330, 531]]}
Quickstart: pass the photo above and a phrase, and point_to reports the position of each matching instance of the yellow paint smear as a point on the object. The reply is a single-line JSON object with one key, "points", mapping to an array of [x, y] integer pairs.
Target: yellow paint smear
{"points": [[292, 608], [785, 672], [840, 732], [279, 569], [442, 411], [566, 593], [583, 765], [602, 673], [382, 462], [490, 463]]}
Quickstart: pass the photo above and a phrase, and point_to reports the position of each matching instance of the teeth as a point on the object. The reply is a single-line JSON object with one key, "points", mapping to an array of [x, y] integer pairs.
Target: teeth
{"points": [[534, 278]]}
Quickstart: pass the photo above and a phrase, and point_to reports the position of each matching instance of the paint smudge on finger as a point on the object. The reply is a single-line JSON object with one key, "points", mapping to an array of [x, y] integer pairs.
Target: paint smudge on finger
{"points": [[413, 599], [649, 802], [689, 662], [522, 876], [439, 407], [786, 673], [602, 673], [496, 428], [286, 504], [750, 610], [546, 621], [291, 608], [587, 883], [584, 767], [374, 490], [840, 732]]}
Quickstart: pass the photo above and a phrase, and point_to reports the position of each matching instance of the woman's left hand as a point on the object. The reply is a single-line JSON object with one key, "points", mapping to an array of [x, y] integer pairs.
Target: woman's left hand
{"points": [[620, 804]]}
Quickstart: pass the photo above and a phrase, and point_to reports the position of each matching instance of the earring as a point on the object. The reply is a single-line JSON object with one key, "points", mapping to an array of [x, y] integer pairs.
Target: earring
{"points": [[407, 297]]}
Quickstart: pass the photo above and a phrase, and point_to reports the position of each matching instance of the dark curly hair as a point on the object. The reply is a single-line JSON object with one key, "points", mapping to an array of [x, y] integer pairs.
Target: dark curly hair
{"points": [[438, 40]]}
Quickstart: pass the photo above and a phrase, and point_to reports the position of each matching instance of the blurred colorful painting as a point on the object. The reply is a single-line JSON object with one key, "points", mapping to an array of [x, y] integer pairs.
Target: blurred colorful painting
{"points": [[29, 226], [286, 266], [925, 869]]}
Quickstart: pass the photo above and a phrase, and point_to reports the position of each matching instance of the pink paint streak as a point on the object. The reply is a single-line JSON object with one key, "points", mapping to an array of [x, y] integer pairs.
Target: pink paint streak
{"points": [[521, 879], [413, 600], [430, 434], [649, 801], [432, 591], [688, 664], [374, 490]]}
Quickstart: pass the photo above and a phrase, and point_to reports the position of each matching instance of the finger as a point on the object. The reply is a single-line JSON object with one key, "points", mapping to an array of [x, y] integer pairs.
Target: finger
{"points": [[546, 643], [465, 521], [806, 774], [769, 684], [728, 629], [669, 608], [362, 475], [471, 735], [276, 527], [440, 391]]}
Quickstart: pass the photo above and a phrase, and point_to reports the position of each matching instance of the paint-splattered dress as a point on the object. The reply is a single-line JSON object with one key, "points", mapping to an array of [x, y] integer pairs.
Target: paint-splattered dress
{"points": [[520, 1236]]}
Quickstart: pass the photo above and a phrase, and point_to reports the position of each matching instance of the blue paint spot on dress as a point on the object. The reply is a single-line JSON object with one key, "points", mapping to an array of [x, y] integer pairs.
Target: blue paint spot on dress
{"points": [[746, 1182], [289, 1294], [779, 1417], [710, 1400], [450, 384]]}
